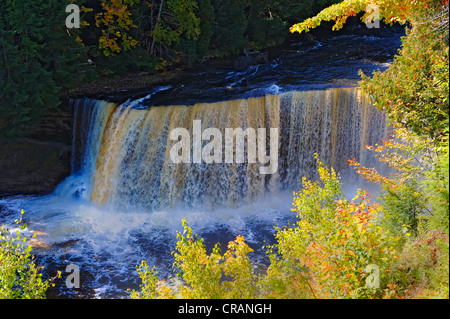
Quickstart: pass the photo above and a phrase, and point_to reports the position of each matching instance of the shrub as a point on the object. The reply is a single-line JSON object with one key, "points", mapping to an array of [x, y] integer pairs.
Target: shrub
{"points": [[20, 277], [415, 208], [330, 252], [403, 199], [202, 275], [333, 248], [422, 270]]}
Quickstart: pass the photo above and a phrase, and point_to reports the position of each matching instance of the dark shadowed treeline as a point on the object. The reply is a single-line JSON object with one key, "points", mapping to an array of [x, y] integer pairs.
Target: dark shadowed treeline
{"points": [[40, 58]]}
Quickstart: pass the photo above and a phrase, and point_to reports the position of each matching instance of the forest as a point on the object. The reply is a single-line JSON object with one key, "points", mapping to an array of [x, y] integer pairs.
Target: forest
{"points": [[118, 37], [390, 245]]}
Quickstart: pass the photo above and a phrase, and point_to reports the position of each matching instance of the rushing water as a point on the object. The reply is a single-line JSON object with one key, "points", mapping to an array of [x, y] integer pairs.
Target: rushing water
{"points": [[126, 162], [125, 198]]}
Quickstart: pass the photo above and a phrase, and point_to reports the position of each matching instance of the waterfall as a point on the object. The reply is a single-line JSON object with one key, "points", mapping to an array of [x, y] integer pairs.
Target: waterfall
{"points": [[121, 155]]}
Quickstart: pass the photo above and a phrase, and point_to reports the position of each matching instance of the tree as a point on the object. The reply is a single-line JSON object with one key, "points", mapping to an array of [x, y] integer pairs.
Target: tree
{"points": [[270, 20], [401, 11], [325, 254], [167, 30], [414, 89], [194, 48], [163, 24], [115, 21], [20, 277], [201, 272], [403, 197], [415, 208], [205, 13], [328, 252], [230, 25], [39, 59]]}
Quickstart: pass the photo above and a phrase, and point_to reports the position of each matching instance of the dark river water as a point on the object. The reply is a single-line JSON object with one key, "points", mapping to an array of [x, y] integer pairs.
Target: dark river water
{"points": [[323, 62]]}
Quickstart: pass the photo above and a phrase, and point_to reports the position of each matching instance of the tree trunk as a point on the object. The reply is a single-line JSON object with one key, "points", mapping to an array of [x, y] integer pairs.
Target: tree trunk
{"points": [[156, 25]]}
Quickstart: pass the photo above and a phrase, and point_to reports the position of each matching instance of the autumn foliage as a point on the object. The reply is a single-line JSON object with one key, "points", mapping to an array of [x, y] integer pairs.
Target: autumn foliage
{"points": [[115, 22], [331, 252], [333, 247], [389, 11], [414, 89], [201, 273]]}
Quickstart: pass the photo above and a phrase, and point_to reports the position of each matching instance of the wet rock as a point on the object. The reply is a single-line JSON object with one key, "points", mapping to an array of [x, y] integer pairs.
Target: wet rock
{"points": [[30, 166], [38, 242], [37, 163], [55, 126], [250, 58]]}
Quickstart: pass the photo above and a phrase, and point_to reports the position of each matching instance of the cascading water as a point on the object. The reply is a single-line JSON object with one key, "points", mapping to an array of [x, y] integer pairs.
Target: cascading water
{"points": [[124, 153], [126, 197]]}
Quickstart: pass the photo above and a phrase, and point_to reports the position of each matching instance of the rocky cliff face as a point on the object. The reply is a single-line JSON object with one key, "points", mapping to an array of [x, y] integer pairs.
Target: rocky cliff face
{"points": [[37, 163]]}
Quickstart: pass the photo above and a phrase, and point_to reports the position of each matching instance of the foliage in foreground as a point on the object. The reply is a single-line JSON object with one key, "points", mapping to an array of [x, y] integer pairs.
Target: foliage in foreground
{"points": [[415, 204], [335, 250], [20, 277], [202, 273], [396, 246]]}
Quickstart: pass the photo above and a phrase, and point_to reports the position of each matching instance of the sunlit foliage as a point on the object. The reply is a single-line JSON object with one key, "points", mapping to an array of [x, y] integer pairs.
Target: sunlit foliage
{"points": [[20, 277]]}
